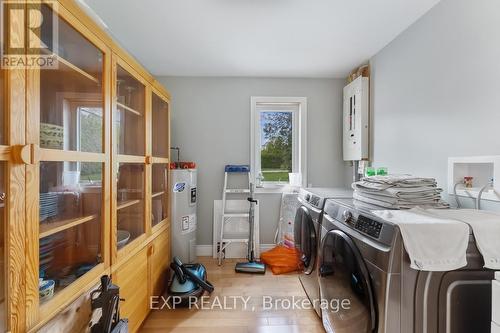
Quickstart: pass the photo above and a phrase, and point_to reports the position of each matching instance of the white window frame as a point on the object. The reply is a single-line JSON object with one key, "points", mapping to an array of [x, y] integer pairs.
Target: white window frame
{"points": [[299, 138], [69, 105]]}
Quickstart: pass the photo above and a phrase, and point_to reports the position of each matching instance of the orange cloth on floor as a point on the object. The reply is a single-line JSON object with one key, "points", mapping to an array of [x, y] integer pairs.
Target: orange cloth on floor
{"points": [[282, 260]]}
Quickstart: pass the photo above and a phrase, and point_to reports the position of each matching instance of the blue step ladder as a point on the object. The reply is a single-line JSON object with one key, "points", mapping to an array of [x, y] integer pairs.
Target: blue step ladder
{"points": [[227, 217]]}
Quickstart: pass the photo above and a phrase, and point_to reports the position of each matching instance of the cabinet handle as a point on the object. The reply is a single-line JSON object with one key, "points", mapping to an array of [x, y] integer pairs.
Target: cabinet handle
{"points": [[30, 154], [149, 160]]}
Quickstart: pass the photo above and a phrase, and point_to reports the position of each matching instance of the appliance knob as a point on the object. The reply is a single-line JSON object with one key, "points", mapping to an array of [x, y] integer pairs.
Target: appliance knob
{"points": [[308, 197], [347, 216]]}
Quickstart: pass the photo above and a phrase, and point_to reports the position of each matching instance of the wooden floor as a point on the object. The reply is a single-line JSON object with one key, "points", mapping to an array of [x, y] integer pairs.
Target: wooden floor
{"points": [[254, 318]]}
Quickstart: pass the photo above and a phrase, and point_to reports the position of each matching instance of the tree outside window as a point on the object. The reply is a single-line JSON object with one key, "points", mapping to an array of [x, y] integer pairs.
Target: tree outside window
{"points": [[276, 145]]}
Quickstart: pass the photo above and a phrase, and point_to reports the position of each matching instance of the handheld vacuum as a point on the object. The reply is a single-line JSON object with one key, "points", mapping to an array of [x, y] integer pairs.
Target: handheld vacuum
{"points": [[251, 266]]}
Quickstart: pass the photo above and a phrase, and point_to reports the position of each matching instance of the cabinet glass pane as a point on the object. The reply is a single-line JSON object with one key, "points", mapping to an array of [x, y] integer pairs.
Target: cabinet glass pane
{"points": [[71, 96], [159, 208], [160, 127], [129, 115], [130, 202], [70, 223], [3, 107], [2, 246]]}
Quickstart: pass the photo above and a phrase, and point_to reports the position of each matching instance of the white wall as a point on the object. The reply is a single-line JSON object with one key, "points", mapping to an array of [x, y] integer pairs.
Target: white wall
{"points": [[211, 123], [436, 90]]}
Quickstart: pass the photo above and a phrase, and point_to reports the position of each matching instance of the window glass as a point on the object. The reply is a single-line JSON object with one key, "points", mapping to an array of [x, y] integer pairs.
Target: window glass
{"points": [[89, 129], [276, 145]]}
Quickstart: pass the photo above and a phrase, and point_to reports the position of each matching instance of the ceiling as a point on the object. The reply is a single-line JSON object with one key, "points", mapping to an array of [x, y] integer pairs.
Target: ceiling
{"points": [[256, 38]]}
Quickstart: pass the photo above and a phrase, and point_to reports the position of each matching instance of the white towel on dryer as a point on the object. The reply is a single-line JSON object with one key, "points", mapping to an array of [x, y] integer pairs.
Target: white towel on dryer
{"points": [[432, 243], [485, 227]]}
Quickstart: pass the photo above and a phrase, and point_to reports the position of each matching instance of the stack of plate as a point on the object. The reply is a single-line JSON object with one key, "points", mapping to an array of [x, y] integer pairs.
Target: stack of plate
{"points": [[46, 252], [48, 205]]}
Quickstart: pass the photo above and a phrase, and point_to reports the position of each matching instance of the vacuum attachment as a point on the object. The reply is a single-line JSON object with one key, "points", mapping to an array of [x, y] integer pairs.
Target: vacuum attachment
{"points": [[250, 267]]}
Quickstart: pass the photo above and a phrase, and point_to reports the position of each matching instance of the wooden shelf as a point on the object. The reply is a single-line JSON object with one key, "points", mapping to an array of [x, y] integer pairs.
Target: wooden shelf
{"points": [[50, 228], [76, 68], [126, 203], [129, 109], [157, 194]]}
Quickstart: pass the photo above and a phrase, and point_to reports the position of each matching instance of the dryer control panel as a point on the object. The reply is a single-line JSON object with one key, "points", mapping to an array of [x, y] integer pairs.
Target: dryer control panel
{"points": [[368, 226]]}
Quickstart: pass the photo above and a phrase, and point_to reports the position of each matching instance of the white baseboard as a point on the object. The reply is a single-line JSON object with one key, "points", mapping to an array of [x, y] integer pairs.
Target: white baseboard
{"points": [[266, 247], [203, 250], [206, 250]]}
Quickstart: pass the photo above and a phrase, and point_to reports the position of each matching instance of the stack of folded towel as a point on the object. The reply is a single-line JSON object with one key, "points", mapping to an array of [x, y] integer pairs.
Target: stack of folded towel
{"points": [[397, 192]]}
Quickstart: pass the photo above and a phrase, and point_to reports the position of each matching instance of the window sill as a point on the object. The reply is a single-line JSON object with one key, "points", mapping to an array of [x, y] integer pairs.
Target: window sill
{"points": [[276, 189]]}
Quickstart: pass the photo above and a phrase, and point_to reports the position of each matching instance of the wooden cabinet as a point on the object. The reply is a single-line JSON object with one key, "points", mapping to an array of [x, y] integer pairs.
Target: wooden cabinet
{"points": [[84, 153], [143, 275], [159, 251], [133, 281], [67, 112]]}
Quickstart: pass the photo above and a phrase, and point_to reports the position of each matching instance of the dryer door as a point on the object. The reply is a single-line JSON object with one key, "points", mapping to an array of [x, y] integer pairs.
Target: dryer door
{"points": [[305, 238], [347, 299]]}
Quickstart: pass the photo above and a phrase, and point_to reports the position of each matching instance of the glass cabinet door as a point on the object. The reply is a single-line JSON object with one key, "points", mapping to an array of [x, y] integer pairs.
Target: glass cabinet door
{"points": [[71, 114], [130, 154], [71, 99], [3, 273], [160, 197], [3, 106], [160, 151], [130, 202], [3, 215], [130, 114], [160, 127]]}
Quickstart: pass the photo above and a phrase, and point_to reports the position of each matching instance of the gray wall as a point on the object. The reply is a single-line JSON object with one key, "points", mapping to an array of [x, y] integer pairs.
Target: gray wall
{"points": [[436, 90], [211, 123]]}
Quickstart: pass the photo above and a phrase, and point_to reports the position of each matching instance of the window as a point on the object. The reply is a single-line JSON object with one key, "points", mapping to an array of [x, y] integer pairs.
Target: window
{"points": [[83, 131], [89, 139], [89, 128], [278, 139]]}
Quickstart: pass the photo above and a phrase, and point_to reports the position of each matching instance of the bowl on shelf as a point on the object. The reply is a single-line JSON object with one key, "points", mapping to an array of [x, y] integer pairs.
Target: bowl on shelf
{"points": [[123, 237], [46, 289]]}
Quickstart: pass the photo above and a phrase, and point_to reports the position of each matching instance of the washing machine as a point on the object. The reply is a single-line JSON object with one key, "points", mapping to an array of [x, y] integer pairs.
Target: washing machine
{"points": [[362, 262], [307, 232]]}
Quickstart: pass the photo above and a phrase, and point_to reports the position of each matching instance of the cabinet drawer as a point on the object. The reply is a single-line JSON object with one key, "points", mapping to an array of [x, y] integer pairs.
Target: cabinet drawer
{"points": [[495, 301], [132, 279]]}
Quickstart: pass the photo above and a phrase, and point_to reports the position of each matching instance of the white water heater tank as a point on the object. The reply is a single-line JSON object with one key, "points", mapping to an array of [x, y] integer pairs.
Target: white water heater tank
{"points": [[184, 198]]}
